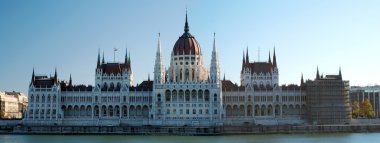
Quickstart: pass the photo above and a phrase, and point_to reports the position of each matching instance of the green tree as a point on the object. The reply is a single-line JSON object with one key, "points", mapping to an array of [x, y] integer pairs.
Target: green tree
{"points": [[366, 109], [355, 109]]}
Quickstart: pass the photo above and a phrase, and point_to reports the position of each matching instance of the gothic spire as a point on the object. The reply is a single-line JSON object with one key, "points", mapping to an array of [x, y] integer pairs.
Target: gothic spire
{"points": [[242, 66], [317, 76], [214, 68], [129, 58], [103, 58], [70, 82], [33, 77], [247, 57], [186, 25], [302, 82], [55, 76], [98, 62], [214, 48], [159, 73], [269, 60], [340, 73], [126, 56], [274, 57]]}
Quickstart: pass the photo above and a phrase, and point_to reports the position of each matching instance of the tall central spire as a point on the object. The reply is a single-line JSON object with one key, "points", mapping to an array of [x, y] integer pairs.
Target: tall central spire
{"points": [[159, 73], [214, 68], [186, 24]]}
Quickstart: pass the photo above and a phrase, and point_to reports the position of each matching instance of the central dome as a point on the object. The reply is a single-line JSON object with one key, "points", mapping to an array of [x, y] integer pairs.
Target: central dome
{"points": [[186, 44]]}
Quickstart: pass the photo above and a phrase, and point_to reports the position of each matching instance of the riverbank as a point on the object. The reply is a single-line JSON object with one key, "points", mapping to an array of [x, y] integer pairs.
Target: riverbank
{"points": [[187, 130], [356, 126]]}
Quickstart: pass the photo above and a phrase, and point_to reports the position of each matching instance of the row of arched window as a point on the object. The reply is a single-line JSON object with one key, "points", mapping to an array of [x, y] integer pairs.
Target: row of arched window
{"points": [[265, 110], [111, 86], [187, 96], [43, 98]]}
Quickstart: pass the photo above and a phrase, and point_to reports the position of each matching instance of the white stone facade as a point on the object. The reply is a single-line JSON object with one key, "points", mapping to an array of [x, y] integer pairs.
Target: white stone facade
{"points": [[186, 94]]}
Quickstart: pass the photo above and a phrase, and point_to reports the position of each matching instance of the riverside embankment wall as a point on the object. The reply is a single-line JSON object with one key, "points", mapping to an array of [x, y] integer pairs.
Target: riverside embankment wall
{"points": [[159, 130]]}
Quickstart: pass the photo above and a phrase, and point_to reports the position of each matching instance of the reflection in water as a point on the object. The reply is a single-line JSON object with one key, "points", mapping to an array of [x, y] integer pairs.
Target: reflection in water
{"points": [[284, 138]]}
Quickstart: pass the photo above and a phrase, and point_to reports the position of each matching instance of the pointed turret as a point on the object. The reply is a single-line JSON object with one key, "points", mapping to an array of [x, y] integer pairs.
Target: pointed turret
{"points": [[55, 76], [317, 76], [269, 59], [224, 76], [340, 73], [129, 61], [302, 82], [243, 64], [159, 73], [98, 62], [274, 57], [243, 58], [129, 58], [33, 78], [103, 59], [214, 68], [166, 74], [247, 57], [126, 56], [70, 82]]}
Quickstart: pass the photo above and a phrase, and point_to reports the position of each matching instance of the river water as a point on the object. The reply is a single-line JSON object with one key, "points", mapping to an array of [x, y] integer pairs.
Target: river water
{"points": [[276, 138]]}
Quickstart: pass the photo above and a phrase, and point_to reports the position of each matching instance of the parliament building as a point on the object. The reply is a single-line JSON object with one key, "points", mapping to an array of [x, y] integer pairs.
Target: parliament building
{"points": [[186, 93]]}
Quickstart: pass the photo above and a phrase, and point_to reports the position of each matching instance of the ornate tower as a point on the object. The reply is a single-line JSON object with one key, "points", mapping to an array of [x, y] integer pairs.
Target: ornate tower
{"points": [[159, 73], [186, 64], [214, 68]]}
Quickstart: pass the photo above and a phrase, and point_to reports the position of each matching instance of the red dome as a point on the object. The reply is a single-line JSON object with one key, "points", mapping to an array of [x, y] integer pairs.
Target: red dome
{"points": [[186, 45]]}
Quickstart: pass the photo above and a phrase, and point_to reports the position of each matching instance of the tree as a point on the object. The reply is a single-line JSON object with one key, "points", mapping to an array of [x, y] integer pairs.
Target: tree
{"points": [[355, 109], [366, 109]]}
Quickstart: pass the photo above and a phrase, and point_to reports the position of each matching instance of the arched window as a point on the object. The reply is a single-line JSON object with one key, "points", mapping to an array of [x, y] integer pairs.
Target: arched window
{"points": [[207, 95], [193, 95], [180, 93], [112, 86], [105, 86], [174, 96], [118, 86], [167, 95], [187, 95], [200, 95], [187, 74]]}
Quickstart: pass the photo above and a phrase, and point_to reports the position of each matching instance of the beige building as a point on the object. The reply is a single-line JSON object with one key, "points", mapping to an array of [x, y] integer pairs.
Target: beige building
{"points": [[12, 105]]}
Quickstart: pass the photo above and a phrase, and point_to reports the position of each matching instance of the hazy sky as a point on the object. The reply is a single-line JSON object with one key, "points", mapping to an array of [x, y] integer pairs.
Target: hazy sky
{"points": [[67, 35]]}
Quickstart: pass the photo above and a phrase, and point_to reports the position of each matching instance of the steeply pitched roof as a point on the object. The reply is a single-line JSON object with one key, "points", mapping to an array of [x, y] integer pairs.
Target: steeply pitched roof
{"points": [[43, 81], [114, 68], [260, 67]]}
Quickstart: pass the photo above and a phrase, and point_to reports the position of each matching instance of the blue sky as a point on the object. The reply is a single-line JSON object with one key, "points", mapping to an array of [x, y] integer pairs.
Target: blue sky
{"points": [[66, 35]]}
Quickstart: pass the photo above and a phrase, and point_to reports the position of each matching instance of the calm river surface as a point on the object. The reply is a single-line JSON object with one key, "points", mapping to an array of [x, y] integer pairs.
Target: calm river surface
{"points": [[285, 138]]}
